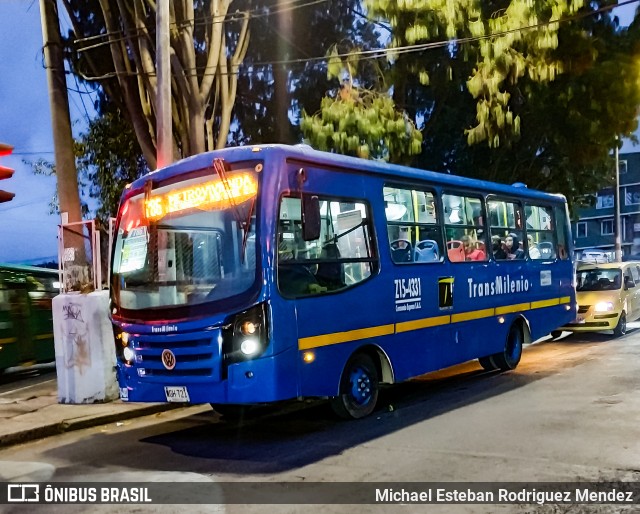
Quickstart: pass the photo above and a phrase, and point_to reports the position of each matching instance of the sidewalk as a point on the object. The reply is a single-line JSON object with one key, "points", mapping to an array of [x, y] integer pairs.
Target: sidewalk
{"points": [[33, 412]]}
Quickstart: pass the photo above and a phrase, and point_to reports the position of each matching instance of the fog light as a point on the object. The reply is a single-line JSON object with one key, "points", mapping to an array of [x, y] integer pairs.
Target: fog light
{"points": [[124, 338], [249, 347], [128, 354]]}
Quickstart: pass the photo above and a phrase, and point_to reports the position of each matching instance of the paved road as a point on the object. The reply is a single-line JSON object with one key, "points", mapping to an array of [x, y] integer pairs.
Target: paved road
{"points": [[570, 412]]}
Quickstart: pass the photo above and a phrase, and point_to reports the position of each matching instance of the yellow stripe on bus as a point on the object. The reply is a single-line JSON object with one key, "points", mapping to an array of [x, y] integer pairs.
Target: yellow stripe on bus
{"points": [[508, 309], [8, 340], [468, 316], [44, 336], [545, 303], [307, 343], [417, 324]]}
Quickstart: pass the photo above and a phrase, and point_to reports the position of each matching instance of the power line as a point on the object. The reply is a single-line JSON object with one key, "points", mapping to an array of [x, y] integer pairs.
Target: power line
{"points": [[384, 52], [213, 20]]}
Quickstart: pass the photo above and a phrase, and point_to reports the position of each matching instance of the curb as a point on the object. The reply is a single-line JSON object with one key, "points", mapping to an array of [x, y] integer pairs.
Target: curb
{"points": [[68, 425]]}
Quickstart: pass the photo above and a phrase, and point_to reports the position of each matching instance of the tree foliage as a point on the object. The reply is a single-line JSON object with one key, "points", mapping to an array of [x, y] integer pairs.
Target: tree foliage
{"points": [[515, 97], [576, 95], [108, 158], [511, 39], [273, 87], [361, 122]]}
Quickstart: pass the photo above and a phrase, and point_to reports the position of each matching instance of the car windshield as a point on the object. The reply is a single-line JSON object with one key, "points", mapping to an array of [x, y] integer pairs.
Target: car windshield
{"points": [[187, 243], [598, 279]]}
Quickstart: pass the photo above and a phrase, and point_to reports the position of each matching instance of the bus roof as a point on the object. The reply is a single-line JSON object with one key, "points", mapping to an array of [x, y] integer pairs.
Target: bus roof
{"points": [[306, 153], [20, 268]]}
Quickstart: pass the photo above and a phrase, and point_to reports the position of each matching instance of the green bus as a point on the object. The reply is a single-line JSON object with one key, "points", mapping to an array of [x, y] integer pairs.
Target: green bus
{"points": [[26, 319]]}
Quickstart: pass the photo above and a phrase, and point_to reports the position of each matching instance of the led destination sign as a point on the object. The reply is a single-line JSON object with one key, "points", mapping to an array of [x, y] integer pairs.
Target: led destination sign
{"points": [[214, 194]]}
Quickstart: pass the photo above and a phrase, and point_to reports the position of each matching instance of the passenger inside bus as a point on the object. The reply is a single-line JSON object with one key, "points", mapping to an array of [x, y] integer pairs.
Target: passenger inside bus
{"points": [[471, 251], [498, 248], [295, 278], [512, 244], [330, 274]]}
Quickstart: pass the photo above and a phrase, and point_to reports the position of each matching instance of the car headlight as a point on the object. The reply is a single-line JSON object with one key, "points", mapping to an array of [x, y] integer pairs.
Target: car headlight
{"points": [[604, 306]]}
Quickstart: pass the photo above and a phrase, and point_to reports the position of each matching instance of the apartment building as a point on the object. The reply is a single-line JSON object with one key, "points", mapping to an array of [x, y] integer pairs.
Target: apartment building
{"points": [[595, 227]]}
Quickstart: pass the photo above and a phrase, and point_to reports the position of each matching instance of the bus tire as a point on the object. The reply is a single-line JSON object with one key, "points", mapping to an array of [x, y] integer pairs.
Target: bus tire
{"points": [[510, 356], [231, 412], [359, 387], [556, 334], [487, 363], [621, 327]]}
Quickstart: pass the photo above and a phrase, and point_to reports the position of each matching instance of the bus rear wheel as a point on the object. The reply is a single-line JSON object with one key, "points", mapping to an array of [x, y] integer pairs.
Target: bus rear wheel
{"points": [[510, 356], [359, 388], [487, 363]]}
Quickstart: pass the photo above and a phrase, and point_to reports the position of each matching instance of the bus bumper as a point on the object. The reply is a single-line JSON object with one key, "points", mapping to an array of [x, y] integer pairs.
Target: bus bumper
{"points": [[264, 380]]}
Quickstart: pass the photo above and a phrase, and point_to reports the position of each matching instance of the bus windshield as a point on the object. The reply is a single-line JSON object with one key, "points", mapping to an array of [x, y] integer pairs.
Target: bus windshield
{"points": [[187, 243]]}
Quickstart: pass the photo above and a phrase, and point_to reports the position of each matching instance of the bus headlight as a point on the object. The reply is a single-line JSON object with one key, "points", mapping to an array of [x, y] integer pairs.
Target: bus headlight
{"points": [[603, 306], [250, 347], [245, 335]]}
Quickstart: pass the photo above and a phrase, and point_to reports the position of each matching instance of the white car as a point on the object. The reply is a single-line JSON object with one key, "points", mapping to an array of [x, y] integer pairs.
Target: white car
{"points": [[595, 256]]}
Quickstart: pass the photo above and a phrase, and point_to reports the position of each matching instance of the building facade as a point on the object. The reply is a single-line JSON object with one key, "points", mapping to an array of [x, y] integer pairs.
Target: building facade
{"points": [[595, 227]]}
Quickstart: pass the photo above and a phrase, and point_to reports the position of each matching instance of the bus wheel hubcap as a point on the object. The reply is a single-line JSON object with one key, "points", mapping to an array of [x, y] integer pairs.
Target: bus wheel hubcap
{"points": [[360, 386]]}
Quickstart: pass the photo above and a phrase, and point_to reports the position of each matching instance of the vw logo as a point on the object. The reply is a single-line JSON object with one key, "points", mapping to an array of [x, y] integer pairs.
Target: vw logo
{"points": [[168, 359]]}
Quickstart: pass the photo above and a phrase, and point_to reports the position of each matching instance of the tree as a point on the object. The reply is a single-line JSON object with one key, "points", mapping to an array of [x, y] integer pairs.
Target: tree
{"points": [[109, 158], [362, 122], [543, 108], [205, 58], [510, 39], [281, 33]]}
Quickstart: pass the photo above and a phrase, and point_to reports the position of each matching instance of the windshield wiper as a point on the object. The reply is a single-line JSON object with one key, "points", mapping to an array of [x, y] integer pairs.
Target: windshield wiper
{"points": [[220, 168]]}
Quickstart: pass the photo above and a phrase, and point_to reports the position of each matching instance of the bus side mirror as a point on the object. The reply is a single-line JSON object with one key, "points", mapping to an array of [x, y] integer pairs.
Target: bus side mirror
{"points": [[310, 217]]}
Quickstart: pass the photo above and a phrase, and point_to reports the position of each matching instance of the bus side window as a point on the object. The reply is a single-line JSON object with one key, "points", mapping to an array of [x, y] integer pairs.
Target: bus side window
{"points": [[341, 257], [465, 231], [540, 232], [506, 230], [413, 230]]}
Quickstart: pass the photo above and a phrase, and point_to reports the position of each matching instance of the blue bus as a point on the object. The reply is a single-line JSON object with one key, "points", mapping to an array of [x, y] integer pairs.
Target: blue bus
{"points": [[265, 273]]}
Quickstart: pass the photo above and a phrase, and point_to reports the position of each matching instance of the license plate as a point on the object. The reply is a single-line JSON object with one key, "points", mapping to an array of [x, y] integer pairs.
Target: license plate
{"points": [[176, 394]]}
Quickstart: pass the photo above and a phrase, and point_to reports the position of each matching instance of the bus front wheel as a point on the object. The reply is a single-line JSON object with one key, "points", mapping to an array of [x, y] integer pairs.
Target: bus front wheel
{"points": [[358, 388], [510, 356]]}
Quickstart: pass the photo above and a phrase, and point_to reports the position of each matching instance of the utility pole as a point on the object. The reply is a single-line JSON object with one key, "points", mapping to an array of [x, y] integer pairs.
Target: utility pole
{"points": [[618, 199], [280, 75], [164, 126], [66, 173]]}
